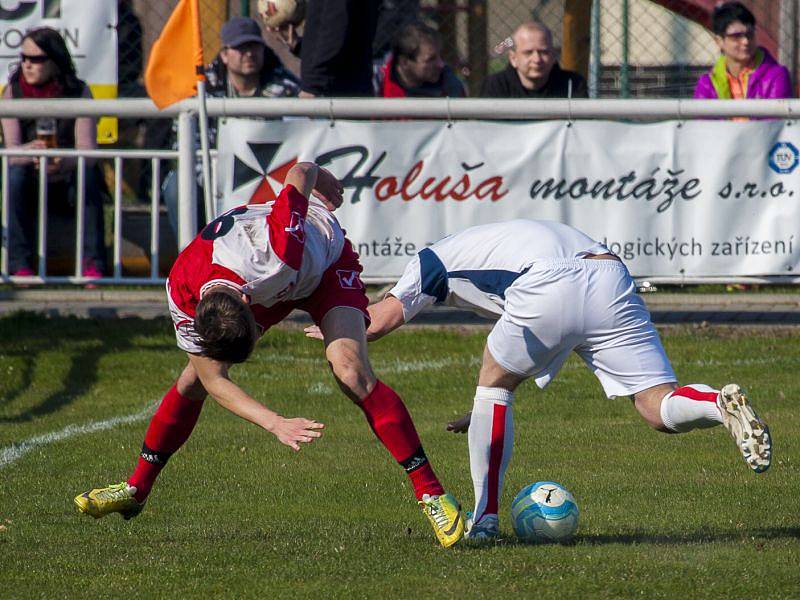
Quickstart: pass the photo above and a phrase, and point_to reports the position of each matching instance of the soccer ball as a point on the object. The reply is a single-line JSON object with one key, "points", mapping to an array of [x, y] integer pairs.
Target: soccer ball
{"points": [[544, 512], [275, 13]]}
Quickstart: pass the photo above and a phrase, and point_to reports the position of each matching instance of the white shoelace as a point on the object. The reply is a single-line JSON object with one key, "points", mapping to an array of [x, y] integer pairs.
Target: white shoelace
{"points": [[437, 514]]}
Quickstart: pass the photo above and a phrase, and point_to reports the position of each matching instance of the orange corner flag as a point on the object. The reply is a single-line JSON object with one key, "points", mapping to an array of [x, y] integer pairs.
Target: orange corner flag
{"points": [[176, 58]]}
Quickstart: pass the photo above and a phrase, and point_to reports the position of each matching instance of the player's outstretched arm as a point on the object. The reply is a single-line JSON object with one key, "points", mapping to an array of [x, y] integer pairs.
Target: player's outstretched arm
{"points": [[385, 317], [214, 377]]}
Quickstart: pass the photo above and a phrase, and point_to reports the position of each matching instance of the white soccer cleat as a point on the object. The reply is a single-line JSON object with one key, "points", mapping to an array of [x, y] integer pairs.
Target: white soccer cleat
{"points": [[487, 528], [748, 430]]}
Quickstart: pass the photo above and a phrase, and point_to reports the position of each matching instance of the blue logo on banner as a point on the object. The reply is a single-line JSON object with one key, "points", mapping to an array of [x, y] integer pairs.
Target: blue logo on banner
{"points": [[783, 157]]}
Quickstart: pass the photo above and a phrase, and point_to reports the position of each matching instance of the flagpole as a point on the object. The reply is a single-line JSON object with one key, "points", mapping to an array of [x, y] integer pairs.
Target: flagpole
{"points": [[203, 114], [205, 151]]}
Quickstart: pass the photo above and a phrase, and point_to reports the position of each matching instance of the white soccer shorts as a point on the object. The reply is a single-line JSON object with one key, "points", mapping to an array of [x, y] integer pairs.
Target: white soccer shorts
{"points": [[590, 306]]}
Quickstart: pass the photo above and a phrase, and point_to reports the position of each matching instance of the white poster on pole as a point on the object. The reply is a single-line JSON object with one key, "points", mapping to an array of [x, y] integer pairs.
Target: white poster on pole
{"points": [[89, 28], [695, 199]]}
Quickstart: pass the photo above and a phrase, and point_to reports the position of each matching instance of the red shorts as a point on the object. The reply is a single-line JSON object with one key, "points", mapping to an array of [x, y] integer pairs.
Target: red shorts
{"points": [[340, 285]]}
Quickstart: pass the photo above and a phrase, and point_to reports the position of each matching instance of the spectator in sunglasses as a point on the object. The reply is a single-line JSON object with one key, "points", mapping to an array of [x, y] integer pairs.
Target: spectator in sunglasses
{"points": [[745, 70], [46, 70]]}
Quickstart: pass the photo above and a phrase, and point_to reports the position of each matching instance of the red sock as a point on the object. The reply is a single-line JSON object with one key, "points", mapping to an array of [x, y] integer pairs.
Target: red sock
{"points": [[392, 425], [169, 428]]}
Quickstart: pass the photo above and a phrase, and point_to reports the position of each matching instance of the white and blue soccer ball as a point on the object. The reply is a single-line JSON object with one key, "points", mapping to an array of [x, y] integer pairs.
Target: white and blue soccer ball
{"points": [[544, 512]]}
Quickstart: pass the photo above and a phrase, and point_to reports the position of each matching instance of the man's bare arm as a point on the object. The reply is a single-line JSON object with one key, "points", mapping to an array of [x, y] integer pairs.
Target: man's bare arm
{"points": [[214, 377], [385, 317], [310, 179]]}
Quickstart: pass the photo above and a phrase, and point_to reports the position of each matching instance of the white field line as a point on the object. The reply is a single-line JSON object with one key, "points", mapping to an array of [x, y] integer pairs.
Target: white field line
{"points": [[14, 452], [404, 366]]}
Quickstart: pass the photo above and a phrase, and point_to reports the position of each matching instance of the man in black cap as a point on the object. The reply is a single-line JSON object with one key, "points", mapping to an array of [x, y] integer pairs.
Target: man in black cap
{"points": [[245, 66]]}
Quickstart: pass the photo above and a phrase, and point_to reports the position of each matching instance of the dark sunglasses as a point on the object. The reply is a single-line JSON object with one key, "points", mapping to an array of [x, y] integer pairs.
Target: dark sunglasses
{"points": [[741, 35], [36, 59]]}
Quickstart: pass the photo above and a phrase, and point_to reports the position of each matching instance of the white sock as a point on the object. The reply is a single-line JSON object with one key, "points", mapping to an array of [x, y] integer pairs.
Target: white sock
{"points": [[491, 443], [690, 407]]}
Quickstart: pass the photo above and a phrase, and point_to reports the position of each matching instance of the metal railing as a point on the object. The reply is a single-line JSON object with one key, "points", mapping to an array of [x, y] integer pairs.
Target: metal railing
{"points": [[427, 108], [154, 156], [325, 108]]}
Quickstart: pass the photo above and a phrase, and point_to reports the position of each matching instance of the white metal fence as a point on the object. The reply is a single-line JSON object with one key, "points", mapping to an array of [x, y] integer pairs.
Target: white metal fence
{"points": [[331, 109]]}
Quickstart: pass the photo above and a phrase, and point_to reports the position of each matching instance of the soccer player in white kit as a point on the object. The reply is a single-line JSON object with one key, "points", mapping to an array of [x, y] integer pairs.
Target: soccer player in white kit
{"points": [[246, 271], [554, 290]]}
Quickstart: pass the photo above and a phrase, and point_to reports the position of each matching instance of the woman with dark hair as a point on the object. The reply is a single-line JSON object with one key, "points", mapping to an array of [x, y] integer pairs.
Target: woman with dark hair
{"points": [[46, 70], [745, 70]]}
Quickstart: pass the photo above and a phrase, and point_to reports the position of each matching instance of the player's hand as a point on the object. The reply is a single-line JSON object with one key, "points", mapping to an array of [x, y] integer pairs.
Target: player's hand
{"points": [[296, 431], [314, 332], [328, 189], [460, 425]]}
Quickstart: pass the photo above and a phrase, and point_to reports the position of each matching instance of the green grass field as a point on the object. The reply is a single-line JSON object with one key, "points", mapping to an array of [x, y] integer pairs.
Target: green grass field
{"points": [[235, 514]]}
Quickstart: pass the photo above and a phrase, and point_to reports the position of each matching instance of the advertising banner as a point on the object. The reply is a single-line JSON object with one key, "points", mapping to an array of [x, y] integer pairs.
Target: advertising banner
{"points": [[693, 199], [89, 27]]}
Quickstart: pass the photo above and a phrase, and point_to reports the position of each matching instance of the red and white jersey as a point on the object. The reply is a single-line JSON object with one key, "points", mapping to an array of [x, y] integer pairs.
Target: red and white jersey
{"points": [[273, 252]]}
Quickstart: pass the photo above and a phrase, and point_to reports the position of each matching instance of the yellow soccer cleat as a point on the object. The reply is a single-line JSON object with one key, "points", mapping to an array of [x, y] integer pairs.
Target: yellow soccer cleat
{"points": [[112, 499], [444, 513]]}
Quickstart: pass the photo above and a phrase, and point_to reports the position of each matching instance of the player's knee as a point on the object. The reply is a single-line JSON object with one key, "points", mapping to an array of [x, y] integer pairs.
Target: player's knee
{"points": [[352, 373]]}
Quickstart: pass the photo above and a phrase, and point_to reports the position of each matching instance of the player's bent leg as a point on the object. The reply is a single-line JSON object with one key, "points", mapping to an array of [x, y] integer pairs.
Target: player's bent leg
{"points": [[698, 406], [346, 350], [168, 430], [491, 443]]}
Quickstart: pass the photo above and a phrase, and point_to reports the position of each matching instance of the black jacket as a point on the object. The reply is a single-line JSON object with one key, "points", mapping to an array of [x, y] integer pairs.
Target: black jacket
{"points": [[506, 84], [336, 54]]}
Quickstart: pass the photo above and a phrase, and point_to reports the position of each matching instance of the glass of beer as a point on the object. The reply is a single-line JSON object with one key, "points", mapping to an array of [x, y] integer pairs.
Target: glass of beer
{"points": [[46, 131]]}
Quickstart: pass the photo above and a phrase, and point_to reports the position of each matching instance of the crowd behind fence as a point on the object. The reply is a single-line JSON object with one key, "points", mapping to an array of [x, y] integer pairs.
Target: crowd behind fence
{"points": [[636, 48]]}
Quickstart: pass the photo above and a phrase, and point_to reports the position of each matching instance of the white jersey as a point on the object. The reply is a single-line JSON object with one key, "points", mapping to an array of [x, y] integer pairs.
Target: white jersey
{"points": [[473, 269]]}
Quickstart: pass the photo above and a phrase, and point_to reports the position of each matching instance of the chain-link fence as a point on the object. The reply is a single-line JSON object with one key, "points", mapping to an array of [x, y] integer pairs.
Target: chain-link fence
{"points": [[625, 48], [635, 48]]}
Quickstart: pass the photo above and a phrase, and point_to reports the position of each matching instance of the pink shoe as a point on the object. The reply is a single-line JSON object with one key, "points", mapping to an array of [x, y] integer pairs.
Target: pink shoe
{"points": [[23, 272], [90, 270]]}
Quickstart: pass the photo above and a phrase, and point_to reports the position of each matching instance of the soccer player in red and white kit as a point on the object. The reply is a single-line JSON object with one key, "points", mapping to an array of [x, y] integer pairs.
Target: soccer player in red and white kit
{"points": [[246, 271]]}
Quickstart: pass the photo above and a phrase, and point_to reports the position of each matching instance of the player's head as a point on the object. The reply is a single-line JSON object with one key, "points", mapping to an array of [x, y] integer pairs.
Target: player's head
{"points": [[226, 326], [533, 55], [417, 50], [734, 29]]}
